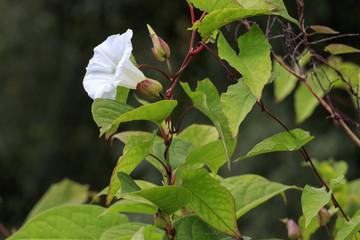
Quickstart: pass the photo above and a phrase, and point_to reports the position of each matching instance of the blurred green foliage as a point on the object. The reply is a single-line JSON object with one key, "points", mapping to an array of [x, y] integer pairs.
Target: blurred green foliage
{"points": [[46, 129]]}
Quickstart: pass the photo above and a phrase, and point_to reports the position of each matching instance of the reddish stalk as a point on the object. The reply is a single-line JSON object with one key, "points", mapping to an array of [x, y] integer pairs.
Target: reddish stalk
{"points": [[231, 75], [161, 162], [181, 119], [155, 68], [192, 13]]}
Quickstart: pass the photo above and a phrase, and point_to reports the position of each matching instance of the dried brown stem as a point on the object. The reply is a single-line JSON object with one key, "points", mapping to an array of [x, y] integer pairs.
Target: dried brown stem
{"points": [[334, 37], [322, 102]]}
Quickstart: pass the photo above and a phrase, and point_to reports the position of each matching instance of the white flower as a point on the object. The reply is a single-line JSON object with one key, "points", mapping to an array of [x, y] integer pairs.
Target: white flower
{"points": [[111, 67]]}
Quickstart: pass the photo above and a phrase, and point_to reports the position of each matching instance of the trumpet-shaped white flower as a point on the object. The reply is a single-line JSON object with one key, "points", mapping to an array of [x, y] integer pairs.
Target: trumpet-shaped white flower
{"points": [[111, 67]]}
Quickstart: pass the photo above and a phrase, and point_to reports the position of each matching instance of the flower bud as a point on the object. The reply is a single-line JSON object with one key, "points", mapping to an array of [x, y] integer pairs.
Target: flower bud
{"points": [[160, 50], [294, 231], [324, 217], [161, 219], [149, 88]]}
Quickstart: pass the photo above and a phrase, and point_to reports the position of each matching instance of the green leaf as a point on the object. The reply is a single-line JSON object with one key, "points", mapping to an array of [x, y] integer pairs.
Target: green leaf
{"points": [[330, 169], [285, 82], [250, 190], [351, 72], [206, 99], [336, 49], [212, 5], [132, 138], [336, 181], [193, 228], [256, 4], [122, 94], [144, 233], [108, 114], [69, 222], [154, 112], [323, 29], [127, 164], [211, 202], [312, 200], [167, 198], [211, 154], [127, 184], [285, 141], [105, 112], [218, 18], [348, 229], [129, 230], [199, 134], [145, 184], [225, 11], [275, 6], [236, 103], [142, 184], [131, 206], [305, 101], [140, 100], [354, 187], [306, 232], [64, 193], [253, 61], [127, 135], [178, 151], [280, 9]]}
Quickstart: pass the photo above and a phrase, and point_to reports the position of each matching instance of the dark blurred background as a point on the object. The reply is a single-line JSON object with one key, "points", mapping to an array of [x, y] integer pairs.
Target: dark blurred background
{"points": [[46, 128]]}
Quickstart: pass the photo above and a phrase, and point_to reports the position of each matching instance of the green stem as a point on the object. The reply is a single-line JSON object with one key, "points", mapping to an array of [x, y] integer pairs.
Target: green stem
{"points": [[168, 66]]}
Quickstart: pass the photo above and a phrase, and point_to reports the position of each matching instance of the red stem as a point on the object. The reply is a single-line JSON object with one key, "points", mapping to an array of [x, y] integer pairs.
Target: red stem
{"points": [[182, 117], [231, 76], [157, 69], [186, 211], [192, 13], [161, 162], [191, 52], [166, 140], [202, 16]]}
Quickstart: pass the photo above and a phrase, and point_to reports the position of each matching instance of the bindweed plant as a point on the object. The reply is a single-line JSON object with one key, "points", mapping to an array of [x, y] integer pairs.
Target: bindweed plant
{"points": [[194, 202]]}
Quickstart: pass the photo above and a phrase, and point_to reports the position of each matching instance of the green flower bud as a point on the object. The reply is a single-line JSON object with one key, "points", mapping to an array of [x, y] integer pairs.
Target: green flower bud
{"points": [[160, 50], [324, 217], [161, 219], [149, 88]]}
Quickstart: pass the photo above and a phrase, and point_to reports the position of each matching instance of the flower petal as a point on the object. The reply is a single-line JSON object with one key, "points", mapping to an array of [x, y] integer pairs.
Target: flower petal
{"points": [[99, 85], [114, 48], [111, 66], [127, 75]]}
